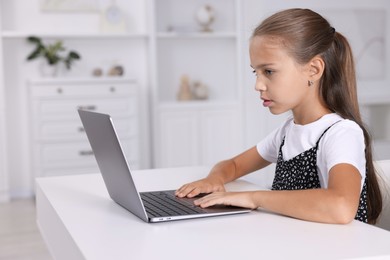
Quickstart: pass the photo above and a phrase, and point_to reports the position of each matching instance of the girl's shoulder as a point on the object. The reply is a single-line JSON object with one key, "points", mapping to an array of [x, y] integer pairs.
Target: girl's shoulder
{"points": [[333, 124], [343, 133], [330, 120], [342, 124]]}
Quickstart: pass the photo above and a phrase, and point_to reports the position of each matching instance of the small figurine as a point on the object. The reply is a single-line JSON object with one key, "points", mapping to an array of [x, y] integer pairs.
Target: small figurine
{"points": [[184, 89], [97, 72], [116, 70], [200, 90]]}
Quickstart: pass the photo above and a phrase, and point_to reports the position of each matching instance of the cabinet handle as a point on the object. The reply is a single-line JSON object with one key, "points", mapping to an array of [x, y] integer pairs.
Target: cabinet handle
{"points": [[81, 129], [112, 89], [87, 107], [86, 153]]}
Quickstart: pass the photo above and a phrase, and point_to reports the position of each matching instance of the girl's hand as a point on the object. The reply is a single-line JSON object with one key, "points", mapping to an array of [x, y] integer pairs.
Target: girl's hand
{"points": [[206, 185], [239, 199]]}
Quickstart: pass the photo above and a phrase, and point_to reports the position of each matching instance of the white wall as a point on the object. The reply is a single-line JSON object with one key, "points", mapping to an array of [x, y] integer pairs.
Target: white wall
{"points": [[4, 186]]}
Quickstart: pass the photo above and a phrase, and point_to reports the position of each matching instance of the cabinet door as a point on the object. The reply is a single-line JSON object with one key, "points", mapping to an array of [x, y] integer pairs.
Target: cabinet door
{"points": [[57, 157], [66, 109], [177, 139], [220, 135], [58, 131]]}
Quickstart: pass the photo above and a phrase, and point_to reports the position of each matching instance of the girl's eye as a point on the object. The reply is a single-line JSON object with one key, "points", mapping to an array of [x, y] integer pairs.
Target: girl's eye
{"points": [[266, 72]]}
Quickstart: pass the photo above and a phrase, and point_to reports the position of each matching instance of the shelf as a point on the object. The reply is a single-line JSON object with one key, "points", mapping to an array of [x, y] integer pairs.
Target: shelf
{"points": [[58, 80], [17, 35], [194, 35], [196, 104]]}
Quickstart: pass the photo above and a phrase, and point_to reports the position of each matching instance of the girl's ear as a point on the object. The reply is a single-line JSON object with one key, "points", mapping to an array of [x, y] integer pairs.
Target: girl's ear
{"points": [[316, 68]]}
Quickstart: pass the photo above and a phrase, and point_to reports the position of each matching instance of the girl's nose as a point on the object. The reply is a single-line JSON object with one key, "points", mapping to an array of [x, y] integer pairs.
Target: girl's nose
{"points": [[260, 86]]}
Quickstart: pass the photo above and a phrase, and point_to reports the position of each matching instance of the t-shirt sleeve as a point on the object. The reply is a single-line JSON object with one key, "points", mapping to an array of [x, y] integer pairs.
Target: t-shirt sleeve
{"points": [[268, 148], [345, 144]]}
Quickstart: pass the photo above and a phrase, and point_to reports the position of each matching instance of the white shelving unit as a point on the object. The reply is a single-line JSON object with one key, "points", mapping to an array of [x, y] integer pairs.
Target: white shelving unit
{"points": [[23, 35], [196, 131], [79, 31], [178, 35], [58, 140]]}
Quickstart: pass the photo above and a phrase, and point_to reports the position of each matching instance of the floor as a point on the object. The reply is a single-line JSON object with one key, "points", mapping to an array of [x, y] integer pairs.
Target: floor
{"points": [[19, 235]]}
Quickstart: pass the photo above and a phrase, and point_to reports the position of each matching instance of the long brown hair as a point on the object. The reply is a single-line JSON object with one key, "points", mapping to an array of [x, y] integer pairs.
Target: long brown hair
{"points": [[305, 34]]}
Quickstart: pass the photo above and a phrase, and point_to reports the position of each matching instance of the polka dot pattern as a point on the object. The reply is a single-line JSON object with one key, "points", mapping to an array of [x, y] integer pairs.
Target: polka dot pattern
{"points": [[362, 213], [300, 173]]}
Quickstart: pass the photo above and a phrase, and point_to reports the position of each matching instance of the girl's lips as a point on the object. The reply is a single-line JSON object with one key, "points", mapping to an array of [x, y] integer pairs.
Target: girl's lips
{"points": [[266, 102]]}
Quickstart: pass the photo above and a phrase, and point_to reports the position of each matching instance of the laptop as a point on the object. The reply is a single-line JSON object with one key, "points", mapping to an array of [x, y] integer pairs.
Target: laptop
{"points": [[153, 206]]}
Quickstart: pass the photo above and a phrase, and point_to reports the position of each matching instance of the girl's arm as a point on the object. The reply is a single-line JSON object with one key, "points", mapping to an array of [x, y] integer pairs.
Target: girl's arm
{"points": [[224, 172], [336, 204]]}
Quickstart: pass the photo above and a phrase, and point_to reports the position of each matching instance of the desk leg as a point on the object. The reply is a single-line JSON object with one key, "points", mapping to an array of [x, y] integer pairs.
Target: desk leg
{"points": [[54, 233]]}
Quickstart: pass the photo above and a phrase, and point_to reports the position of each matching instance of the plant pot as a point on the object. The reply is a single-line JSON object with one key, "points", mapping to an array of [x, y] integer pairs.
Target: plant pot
{"points": [[48, 70]]}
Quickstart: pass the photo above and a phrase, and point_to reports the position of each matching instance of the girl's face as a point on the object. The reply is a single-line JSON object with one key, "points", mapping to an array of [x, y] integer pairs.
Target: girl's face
{"points": [[282, 83]]}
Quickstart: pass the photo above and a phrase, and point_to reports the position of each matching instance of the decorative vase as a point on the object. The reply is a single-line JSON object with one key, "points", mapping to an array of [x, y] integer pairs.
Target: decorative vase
{"points": [[48, 70]]}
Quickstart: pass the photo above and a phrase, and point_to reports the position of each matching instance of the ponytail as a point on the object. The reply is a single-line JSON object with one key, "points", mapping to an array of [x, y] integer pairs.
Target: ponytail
{"points": [[339, 92]]}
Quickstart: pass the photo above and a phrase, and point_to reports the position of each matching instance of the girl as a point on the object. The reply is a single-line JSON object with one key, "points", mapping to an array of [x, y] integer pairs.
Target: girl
{"points": [[324, 168]]}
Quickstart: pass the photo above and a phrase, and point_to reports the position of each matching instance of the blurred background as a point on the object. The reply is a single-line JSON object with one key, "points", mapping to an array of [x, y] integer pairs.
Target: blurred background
{"points": [[174, 74]]}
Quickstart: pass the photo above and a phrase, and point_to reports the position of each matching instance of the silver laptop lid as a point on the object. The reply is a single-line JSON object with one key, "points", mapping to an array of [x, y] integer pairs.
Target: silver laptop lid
{"points": [[112, 162]]}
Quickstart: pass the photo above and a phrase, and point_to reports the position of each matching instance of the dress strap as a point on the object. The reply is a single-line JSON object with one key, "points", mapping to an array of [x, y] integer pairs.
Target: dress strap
{"points": [[319, 139]]}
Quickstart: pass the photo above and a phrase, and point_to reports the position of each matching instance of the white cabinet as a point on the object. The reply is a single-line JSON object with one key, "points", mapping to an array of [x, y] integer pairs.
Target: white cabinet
{"points": [[179, 139], [220, 134], [197, 136], [58, 141], [194, 132]]}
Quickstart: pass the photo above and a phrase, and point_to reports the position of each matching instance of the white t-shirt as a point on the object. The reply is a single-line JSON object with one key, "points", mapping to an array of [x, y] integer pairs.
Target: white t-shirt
{"points": [[342, 143]]}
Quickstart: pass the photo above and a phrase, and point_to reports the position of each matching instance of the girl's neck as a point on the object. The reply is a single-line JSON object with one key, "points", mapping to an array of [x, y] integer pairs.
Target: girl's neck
{"points": [[307, 118]]}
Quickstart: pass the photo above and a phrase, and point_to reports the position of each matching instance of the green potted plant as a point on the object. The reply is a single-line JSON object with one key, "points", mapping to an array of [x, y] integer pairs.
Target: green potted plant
{"points": [[53, 53]]}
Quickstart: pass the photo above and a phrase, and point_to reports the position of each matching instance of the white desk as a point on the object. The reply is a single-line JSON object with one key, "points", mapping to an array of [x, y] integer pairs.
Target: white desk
{"points": [[78, 220]]}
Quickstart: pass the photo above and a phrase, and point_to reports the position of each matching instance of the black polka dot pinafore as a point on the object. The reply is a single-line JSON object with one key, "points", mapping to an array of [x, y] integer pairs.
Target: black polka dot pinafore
{"points": [[300, 173]]}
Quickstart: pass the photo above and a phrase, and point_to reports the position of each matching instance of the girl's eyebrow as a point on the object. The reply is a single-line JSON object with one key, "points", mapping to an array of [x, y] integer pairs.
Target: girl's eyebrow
{"points": [[262, 65]]}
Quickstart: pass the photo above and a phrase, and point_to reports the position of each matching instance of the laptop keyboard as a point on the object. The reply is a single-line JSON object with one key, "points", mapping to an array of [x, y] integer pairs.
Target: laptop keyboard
{"points": [[160, 204]]}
